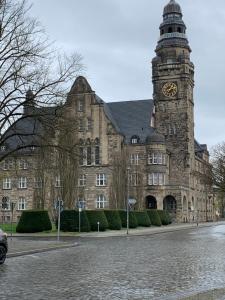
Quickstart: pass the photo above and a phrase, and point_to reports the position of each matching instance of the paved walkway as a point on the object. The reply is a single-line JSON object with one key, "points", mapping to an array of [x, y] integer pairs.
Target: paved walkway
{"points": [[23, 244]]}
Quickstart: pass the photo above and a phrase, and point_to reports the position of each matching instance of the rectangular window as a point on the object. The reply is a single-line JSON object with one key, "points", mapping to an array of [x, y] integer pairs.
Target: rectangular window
{"points": [[156, 179], [89, 124], [81, 203], [38, 183], [23, 164], [21, 203], [58, 181], [5, 203], [82, 180], [97, 155], [134, 179], [7, 184], [22, 183], [7, 164], [156, 159], [80, 105], [82, 158], [100, 179], [134, 159], [101, 201], [89, 156], [81, 125]]}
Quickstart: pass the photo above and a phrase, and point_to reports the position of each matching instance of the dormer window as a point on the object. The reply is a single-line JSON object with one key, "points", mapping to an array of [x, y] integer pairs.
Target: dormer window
{"points": [[3, 148], [134, 139]]}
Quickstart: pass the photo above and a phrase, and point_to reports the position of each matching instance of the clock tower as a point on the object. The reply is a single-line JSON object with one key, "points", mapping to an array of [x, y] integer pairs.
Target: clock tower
{"points": [[173, 83]]}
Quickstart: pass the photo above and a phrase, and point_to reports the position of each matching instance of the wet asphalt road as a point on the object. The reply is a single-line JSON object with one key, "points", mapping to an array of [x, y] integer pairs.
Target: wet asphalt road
{"points": [[164, 266]]}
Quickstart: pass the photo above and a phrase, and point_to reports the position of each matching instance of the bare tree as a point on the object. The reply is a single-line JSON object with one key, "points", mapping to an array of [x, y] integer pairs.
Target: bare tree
{"points": [[28, 62], [218, 162]]}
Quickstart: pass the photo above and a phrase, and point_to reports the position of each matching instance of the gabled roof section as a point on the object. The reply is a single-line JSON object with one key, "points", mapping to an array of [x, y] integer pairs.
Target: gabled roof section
{"points": [[80, 86]]}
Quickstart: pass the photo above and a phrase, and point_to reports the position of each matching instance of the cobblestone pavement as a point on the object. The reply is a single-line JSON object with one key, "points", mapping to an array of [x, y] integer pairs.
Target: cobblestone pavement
{"points": [[167, 266]]}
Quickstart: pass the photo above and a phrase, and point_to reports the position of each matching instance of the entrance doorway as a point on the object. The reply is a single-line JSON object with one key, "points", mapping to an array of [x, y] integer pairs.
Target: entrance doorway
{"points": [[151, 202]]}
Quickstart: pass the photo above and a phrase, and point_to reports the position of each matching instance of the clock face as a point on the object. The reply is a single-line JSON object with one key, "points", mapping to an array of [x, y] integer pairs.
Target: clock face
{"points": [[169, 89]]}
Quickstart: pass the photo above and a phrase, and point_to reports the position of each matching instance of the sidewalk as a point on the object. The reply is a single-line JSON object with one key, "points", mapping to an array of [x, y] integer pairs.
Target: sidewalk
{"points": [[24, 244]]}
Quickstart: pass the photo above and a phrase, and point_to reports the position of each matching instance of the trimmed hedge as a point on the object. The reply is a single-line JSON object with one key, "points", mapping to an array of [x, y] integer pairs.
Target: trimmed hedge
{"points": [[132, 219], [164, 217], [95, 216], [154, 217], [69, 221], [142, 218], [113, 219], [34, 221]]}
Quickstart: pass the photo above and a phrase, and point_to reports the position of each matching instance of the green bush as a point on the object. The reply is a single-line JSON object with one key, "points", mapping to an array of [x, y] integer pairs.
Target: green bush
{"points": [[69, 221], [34, 221], [95, 216], [154, 217], [168, 217], [142, 218], [164, 217], [132, 219], [113, 219]]}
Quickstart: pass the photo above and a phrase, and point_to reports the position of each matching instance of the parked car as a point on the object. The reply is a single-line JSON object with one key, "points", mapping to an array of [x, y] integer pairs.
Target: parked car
{"points": [[3, 246]]}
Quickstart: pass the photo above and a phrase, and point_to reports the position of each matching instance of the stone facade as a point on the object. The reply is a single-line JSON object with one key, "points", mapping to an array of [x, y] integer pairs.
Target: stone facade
{"points": [[142, 149]]}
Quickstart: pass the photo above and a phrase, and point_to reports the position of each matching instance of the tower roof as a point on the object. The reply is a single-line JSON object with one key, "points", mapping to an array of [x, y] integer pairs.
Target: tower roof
{"points": [[172, 7]]}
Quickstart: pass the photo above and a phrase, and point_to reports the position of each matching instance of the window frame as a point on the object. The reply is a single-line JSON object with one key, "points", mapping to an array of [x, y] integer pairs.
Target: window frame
{"points": [[101, 201], [101, 179], [22, 203], [22, 182]]}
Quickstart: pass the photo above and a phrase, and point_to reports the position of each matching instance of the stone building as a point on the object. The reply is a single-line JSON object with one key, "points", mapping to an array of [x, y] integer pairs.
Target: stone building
{"points": [[143, 149]]}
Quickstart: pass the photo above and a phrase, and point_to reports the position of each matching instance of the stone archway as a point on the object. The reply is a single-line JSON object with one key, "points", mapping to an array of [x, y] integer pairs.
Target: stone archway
{"points": [[151, 202], [170, 204]]}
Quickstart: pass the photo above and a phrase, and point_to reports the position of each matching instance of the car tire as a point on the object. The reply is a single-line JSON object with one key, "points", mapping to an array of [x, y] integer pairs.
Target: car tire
{"points": [[2, 254]]}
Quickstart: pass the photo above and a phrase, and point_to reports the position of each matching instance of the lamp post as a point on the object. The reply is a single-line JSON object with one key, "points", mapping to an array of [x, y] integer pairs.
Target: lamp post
{"points": [[128, 179]]}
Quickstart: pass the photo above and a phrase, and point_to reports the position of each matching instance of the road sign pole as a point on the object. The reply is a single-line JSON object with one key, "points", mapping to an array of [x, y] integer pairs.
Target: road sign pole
{"points": [[59, 211], [80, 209]]}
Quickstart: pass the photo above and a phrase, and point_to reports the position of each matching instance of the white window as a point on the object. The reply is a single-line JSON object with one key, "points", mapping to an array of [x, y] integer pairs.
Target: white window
{"points": [[134, 159], [7, 164], [38, 182], [80, 105], [7, 184], [89, 124], [58, 181], [22, 203], [3, 148], [23, 164], [82, 180], [22, 183], [156, 179], [101, 179], [134, 140], [156, 159], [101, 201]]}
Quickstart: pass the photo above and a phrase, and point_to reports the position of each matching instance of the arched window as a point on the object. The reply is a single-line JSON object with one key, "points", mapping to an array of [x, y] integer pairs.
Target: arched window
{"points": [[162, 31], [170, 30], [179, 29]]}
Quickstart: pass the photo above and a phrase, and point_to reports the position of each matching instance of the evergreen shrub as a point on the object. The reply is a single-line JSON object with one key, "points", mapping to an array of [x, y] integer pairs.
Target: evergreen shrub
{"points": [[164, 217], [132, 219], [113, 219], [34, 221], [95, 216], [142, 218], [154, 217], [69, 221]]}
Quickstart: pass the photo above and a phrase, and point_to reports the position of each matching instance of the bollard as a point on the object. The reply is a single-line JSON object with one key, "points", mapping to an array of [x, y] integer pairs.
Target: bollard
{"points": [[98, 225]]}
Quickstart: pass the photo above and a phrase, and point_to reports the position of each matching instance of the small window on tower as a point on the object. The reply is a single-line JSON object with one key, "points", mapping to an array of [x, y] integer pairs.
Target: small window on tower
{"points": [[170, 30], [179, 29]]}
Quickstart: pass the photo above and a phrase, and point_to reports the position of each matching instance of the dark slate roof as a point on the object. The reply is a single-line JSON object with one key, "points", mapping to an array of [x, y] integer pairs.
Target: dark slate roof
{"points": [[132, 118], [29, 129]]}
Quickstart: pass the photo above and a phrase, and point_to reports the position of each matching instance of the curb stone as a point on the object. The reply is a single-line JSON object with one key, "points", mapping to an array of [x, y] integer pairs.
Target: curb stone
{"points": [[41, 250]]}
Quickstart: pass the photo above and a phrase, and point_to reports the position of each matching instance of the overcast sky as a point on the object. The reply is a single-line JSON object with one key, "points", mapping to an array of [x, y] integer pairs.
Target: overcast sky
{"points": [[117, 39]]}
